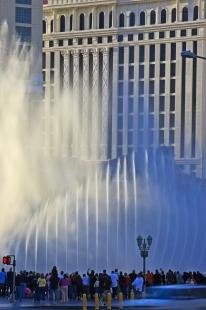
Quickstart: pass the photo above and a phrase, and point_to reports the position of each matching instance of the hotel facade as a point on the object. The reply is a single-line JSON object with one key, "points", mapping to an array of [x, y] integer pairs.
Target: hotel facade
{"points": [[121, 61]]}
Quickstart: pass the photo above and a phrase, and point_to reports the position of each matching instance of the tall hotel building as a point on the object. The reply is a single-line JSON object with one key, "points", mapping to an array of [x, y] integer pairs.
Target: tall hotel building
{"points": [[132, 89], [24, 19]]}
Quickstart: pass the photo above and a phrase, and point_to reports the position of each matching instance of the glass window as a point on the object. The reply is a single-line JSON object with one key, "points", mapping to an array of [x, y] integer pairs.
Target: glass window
{"points": [[90, 21], [151, 87], [23, 15], [151, 104], [121, 20], [162, 104], [81, 22], [120, 38], [130, 138], [161, 137], [141, 87], [141, 72], [151, 137], [28, 2], [162, 52], [141, 121], [121, 73], [110, 19], [44, 26], [162, 70], [152, 17], [172, 137], [151, 35], [172, 34], [130, 37], [152, 53], [163, 16], [161, 35], [140, 36], [174, 13], [131, 105], [142, 18], [131, 88], [131, 73], [120, 122], [173, 69], [120, 90], [172, 86], [162, 86], [141, 105], [151, 121], [119, 138], [161, 121], [101, 20], [173, 51], [132, 19], [172, 120], [196, 13], [52, 60], [185, 14], [24, 33], [130, 122], [151, 71], [172, 103], [141, 54], [121, 55], [120, 105], [131, 54]]}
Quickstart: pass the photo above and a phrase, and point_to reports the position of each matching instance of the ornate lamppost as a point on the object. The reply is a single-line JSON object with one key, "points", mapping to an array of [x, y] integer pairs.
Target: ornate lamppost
{"points": [[144, 247]]}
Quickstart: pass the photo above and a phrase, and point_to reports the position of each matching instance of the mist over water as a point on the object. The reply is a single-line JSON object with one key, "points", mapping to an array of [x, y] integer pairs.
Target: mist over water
{"points": [[56, 209]]}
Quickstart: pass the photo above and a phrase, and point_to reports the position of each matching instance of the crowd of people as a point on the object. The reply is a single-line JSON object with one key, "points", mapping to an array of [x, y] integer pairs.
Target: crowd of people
{"points": [[62, 287]]}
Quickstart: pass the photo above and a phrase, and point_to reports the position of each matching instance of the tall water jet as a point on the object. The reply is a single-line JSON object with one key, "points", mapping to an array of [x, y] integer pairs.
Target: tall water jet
{"points": [[118, 208], [107, 213]]}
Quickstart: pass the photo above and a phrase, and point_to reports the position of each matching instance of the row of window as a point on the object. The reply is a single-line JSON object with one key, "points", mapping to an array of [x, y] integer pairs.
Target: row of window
{"points": [[23, 15], [122, 19]]}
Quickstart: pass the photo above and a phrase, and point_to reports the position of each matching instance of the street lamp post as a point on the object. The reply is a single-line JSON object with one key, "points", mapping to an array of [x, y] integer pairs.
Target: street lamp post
{"points": [[144, 247], [189, 54]]}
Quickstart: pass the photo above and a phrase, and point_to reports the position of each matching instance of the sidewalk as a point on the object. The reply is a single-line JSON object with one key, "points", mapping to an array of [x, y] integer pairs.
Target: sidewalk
{"points": [[128, 304]]}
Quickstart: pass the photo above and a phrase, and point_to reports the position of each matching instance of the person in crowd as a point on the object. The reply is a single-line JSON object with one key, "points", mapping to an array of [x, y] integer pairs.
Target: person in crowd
{"points": [[85, 283], [138, 285], [64, 284], [114, 283], [149, 278], [54, 285], [41, 287], [2, 282], [92, 280], [9, 282]]}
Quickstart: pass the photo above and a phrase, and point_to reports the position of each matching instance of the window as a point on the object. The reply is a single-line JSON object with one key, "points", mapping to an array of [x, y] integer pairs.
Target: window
{"points": [[121, 88], [141, 54], [130, 138], [151, 137], [162, 52], [153, 17], [52, 26], [185, 14], [151, 36], [172, 86], [196, 13], [120, 105], [131, 88], [141, 87], [121, 20], [141, 121], [120, 38], [194, 32], [44, 26], [131, 105], [162, 70], [62, 23], [172, 103], [131, 73], [163, 16], [161, 121], [172, 69], [24, 33], [141, 72], [132, 19], [151, 71], [140, 36], [161, 137], [151, 104], [172, 34], [120, 122], [183, 33], [130, 122], [121, 55], [90, 21], [172, 137], [81, 22], [43, 60], [23, 15], [151, 87], [110, 19], [120, 138], [101, 20], [151, 121], [173, 51], [152, 53], [142, 19], [141, 105], [174, 14], [28, 2], [52, 60], [130, 37], [161, 35], [172, 120], [121, 73], [162, 86], [71, 23], [131, 54], [162, 104]]}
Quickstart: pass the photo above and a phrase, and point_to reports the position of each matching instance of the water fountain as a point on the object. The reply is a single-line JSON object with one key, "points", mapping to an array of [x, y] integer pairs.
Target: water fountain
{"points": [[81, 215]]}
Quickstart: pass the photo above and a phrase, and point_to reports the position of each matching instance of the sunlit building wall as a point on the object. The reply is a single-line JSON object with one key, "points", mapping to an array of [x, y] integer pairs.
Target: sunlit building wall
{"points": [[133, 90]]}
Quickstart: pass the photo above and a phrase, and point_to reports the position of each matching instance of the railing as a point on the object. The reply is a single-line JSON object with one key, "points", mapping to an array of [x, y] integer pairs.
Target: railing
{"points": [[60, 2]]}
